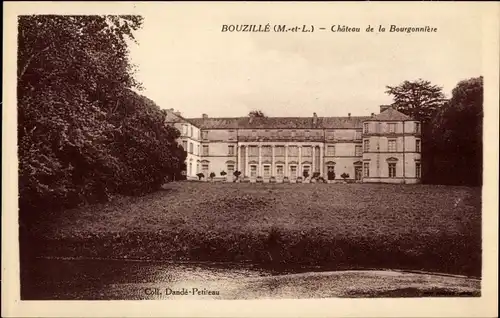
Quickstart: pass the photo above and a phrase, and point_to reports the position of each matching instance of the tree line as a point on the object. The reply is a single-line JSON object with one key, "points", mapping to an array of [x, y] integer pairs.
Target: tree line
{"points": [[452, 129], [84, 134]]}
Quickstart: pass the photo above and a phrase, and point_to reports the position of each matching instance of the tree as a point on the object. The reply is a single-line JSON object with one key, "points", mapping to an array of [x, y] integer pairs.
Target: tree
{"points": [[212, 175], [237, 174], [83, 133], [256, 113], [457, 136], [418, 99]]}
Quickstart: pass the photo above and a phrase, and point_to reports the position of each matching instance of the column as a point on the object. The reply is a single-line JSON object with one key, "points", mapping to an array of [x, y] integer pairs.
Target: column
{"points": [[321, 164], [273, 173], [246, 161], [313, 159], [286, 170], [238, 158], [259, 168], [299, 166]]}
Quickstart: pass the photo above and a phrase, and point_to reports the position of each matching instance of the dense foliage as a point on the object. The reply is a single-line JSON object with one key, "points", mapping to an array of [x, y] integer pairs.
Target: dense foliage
{"points": [[83, 133], [452, 130]]}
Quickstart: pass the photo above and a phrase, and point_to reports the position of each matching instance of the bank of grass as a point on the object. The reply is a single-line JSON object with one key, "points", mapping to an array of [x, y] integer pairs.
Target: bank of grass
{"points": [[422, 227]]}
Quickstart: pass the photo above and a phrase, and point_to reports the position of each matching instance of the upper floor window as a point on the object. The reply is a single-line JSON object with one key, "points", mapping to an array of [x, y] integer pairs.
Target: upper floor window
{"points": [[204, 134], [198, 150], [293, 151], [366, 145], [366, 128], [358, 151], [266, 151], [253, 151], [366, 169], [418, 169], [184, 130], [191, 147], [192, 132], [417, 145], [392, 128], [205, 150], [330, 150], [293, 133], [254, 133], [391, 145], [185, 145], [307, 151], [417, 127], [279, 151], [230, 150], [231, 134], [307, 133]]}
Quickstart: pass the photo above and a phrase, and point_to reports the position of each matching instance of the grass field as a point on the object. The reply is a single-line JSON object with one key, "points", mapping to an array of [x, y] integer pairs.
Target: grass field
{"points": [[421, 227]]}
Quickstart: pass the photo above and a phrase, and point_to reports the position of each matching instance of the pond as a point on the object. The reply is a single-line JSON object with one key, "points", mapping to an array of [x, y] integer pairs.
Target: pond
{"points": [[74, 279]]}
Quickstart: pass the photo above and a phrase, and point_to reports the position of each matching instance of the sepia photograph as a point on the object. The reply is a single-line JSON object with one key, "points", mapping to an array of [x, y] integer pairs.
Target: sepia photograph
{"points": [[253, 153]]}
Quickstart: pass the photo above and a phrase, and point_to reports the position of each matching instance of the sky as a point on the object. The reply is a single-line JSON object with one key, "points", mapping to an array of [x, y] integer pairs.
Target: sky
{"points": [[185, 62]]}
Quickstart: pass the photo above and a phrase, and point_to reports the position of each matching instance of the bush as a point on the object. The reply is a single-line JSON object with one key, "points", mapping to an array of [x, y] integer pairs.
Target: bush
{"points": [[212, 175], [200, 175], [344, 176], [237, 174]]}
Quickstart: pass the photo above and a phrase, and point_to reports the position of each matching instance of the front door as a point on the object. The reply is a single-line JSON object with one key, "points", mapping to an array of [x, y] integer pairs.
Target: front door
{"points": [[331, 172]]}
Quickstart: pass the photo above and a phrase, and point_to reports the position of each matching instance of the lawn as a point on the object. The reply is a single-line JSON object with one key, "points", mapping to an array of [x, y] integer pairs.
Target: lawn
{"points": [[421, 227]]}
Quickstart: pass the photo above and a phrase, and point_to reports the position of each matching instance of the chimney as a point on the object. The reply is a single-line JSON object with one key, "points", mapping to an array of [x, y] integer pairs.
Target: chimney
{"points": [[315, 119], [383, 108], [178, 113], [373, 114], [349, 115], [204, 116], [171, 109]]}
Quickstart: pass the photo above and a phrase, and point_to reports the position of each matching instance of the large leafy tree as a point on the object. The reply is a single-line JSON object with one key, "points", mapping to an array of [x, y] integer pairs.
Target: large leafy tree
{"points": [[457, 132], [418, 99], [83, 133], [256, 113]]}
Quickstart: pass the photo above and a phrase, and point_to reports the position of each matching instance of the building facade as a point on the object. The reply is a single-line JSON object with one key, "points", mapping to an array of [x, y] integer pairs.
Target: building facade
{"points": [[378, 148]]}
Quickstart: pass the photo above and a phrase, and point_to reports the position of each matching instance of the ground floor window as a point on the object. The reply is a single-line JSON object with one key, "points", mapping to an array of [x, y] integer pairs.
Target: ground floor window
{"points": [[306, 169], [267, 171], [366, 169], [392, 170], [293, 171], [279, 170], [357, 173], [230, 170], [253, 171], [418, 171], [197, 168], [190, 168], [204, 169], [330, 172]]}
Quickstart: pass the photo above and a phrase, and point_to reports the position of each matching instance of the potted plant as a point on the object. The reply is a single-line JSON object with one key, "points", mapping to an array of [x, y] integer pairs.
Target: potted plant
{"points": [[344, 176], [236, 175], [212, 176], [286, 180], [223, 174], [259, 179], [200, 176], [272, 179], [246, 179]]}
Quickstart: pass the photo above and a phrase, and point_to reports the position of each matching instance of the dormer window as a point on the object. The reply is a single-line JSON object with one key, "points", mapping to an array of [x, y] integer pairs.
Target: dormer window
{"points": [[366, 128]]}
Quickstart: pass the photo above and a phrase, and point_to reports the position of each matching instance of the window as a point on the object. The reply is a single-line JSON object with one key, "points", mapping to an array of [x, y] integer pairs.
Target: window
{"points": [[307, 133], [198, 150], [253, 151], [190, 168], [366, 169], [417, 127], [253, 171], [197, 167], [279, 170], [417, 145], [293, 133], [293, 171], [307, 151], [279, 151], [254, 133], [306, 169], [230, 170], [230, 150], [191, 147], [392, 169], [204, 134], [205, 150], [391, 145], [185, 145], [358, 151], [366, 128], [231, 135], [418, 170], [266, 151], [330, 150], [280, 133], [392, 128], [192, 132], [293, 151], [204, 169], [267, 171], [184, 130], [367, 145]]}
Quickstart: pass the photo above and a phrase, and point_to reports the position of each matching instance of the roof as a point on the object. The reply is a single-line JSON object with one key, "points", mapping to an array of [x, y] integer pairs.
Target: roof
{"points": [[278, 122], [390, 114]]}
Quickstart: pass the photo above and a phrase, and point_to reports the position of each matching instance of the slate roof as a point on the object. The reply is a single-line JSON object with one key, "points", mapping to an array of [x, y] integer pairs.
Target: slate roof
{"points": [[278, 122], [390, 114]]}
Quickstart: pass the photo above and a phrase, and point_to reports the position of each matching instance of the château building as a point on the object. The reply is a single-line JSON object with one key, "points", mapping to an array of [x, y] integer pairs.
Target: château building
{"points": [[383, 147]]}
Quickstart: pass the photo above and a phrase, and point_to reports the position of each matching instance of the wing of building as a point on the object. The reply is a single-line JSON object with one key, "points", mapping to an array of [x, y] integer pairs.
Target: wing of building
{"points": [[383, 147]]}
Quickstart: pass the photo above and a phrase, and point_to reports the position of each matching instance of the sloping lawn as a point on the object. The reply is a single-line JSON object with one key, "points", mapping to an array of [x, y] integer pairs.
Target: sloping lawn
{"points": [[422, 227]]}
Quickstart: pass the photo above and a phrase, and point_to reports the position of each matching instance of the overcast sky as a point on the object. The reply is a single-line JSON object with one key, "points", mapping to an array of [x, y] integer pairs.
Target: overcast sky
{"points": [[185, 62]]}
